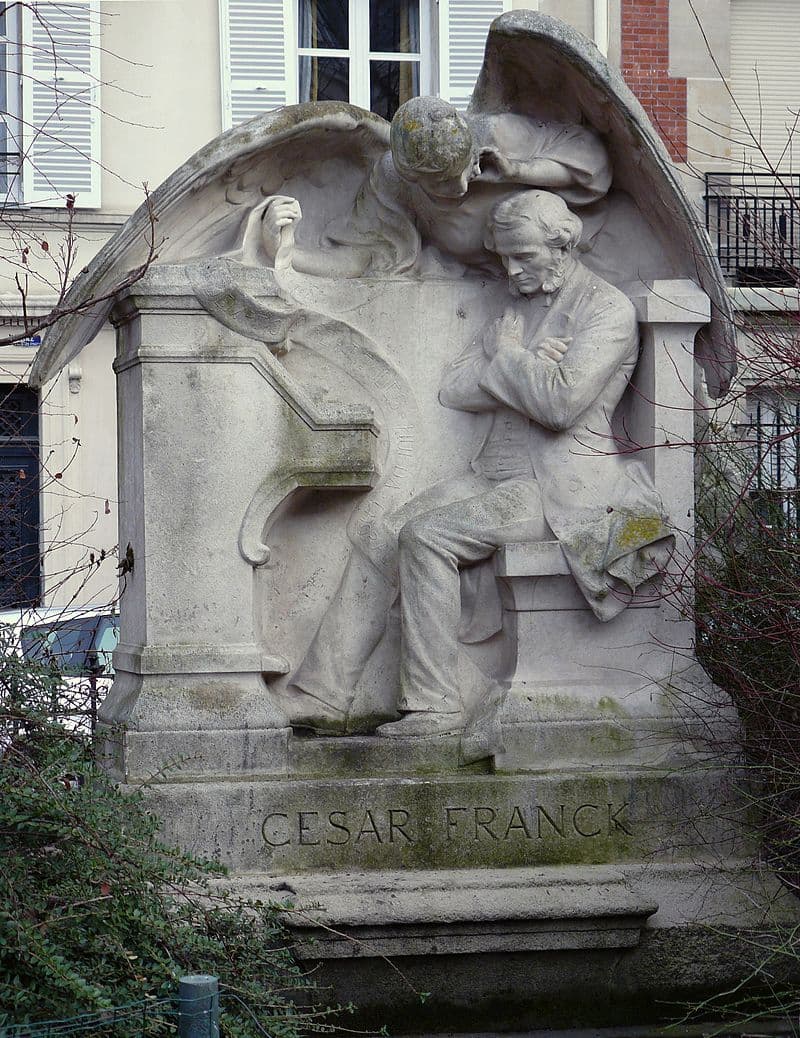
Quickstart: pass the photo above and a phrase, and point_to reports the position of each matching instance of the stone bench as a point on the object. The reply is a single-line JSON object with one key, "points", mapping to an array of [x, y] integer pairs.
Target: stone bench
{"points": [[561, 646], [580, 689]]}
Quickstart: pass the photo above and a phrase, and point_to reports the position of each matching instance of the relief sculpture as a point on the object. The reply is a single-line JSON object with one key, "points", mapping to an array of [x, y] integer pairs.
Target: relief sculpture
{"points": [[406, 419], [409, 289], [424, 205], [550, 371]]}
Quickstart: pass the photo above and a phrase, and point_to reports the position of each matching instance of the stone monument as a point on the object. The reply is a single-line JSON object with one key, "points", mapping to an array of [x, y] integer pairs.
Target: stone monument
{"points": [[405, 419]]}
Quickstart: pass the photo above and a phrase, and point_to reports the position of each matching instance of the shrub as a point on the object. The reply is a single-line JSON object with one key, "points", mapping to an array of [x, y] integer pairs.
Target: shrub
{"points": [[96, 912]]}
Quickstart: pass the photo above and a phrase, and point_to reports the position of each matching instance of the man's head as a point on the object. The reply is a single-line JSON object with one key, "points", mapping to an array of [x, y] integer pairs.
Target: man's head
{"points": [[533, 232], [432, 146]]}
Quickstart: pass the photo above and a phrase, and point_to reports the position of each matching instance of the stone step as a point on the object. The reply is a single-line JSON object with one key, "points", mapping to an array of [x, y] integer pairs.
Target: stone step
{"points": [[354, 755]]}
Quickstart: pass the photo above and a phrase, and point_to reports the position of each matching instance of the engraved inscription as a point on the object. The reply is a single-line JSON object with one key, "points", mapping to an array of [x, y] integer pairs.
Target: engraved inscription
{"points": [[337, 828], [476, 823]]}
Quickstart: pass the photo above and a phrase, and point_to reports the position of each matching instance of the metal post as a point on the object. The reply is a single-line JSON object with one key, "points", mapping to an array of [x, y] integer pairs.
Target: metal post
{"points": [[198, 1007]]}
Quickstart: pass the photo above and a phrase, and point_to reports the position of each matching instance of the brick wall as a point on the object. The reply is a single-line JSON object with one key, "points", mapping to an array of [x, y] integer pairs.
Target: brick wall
{"points": [[645, 66]]}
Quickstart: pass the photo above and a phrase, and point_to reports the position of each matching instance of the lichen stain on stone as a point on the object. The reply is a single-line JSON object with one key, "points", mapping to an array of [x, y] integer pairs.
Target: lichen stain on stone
{"points": [[611, 706], [212, 696], [639, 530], [228, 303], [611, 742]]}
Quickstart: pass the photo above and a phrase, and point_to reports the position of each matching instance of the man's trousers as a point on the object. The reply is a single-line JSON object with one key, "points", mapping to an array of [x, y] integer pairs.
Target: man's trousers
{"points": [[453, 524]]}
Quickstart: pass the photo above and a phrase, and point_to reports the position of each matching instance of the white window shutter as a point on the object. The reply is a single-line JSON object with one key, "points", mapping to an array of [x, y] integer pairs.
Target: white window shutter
{"points": [[765, 82], [463, 28], [60, 103], [258, 58]]}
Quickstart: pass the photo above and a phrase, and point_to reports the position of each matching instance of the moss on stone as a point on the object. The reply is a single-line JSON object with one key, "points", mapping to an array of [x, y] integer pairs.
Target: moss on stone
{"points": [[610, 705], [640, 529]]}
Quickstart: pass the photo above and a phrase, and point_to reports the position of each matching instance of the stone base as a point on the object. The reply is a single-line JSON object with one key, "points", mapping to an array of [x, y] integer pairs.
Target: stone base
{"points": [[484, 950], [462, 912], [289, 825], [530, 741], [569, 896], [521, 992], [191, 726], [215, 755]]}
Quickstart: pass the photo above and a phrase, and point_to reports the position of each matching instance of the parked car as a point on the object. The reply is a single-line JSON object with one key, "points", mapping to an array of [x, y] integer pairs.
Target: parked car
{"points": [[78, 643]]}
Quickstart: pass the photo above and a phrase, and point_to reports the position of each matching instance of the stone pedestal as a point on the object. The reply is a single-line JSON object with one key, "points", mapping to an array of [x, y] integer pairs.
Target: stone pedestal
{"points": [[590, 845], [560, 897]]}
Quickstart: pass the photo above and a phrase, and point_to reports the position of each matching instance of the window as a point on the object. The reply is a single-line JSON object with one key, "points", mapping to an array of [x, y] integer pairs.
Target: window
{"points": [[752, 219], [60, 98], [10, 98], [373, 53], [49, 97], [775, 424], [765, 82], [751, 213], [463, 27], [367, 52]]}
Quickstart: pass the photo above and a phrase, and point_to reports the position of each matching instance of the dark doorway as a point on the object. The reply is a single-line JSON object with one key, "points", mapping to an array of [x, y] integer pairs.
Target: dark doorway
{"points": [[19, 497]]}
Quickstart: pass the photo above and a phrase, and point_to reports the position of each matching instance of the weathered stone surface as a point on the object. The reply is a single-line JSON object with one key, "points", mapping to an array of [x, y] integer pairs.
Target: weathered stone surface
{"points": [[406, 427], [310, 538], [491, 910], [592, 817]]}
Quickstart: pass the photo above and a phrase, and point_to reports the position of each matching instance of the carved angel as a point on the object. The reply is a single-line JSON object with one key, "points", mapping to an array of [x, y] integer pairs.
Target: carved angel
{"points": [[425, 203]]}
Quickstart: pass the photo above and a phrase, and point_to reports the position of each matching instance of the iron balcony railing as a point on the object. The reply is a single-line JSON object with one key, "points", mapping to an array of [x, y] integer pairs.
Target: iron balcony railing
{"points": [[753, 220]]}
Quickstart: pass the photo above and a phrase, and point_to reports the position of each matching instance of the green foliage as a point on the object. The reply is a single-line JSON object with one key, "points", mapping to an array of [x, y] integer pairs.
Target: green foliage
{"points": [[96, 912]]}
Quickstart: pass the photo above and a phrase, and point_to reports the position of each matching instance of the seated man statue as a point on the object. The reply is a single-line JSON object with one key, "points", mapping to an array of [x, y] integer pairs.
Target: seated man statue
{"points": [[550, 374]]}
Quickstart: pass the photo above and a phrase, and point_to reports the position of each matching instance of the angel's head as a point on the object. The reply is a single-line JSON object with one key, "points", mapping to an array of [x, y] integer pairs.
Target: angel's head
{"points": [[432, 146], [533, 233]]}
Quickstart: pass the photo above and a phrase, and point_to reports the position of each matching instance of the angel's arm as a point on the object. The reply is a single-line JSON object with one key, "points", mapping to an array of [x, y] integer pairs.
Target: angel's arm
{"points": [[565, 157], [269, 240]]}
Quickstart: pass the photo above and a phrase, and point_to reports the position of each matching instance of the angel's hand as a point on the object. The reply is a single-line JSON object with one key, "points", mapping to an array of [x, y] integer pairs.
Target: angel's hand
{"points": [[281, 213], [552, 348], [495, 167]]}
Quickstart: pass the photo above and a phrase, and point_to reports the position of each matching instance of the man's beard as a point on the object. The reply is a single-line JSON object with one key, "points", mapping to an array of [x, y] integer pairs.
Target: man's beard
{"points": [[556, 274]]}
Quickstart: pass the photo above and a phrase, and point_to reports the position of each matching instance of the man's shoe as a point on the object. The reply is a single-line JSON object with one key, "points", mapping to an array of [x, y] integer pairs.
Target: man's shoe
{"points": [[422, 723], [306, 711]]}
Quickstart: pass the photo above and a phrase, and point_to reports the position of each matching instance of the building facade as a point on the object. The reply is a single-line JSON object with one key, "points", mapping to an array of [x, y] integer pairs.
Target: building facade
{"points": [[101, 96]]}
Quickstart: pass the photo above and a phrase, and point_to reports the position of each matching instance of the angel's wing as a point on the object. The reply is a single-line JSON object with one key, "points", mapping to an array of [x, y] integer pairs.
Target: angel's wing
{"points": [[202, 207], [536, 66]]}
